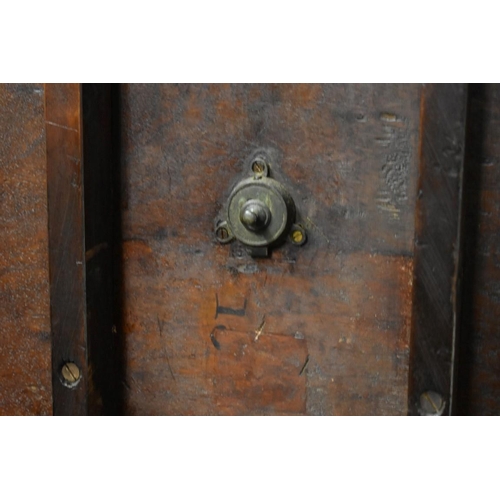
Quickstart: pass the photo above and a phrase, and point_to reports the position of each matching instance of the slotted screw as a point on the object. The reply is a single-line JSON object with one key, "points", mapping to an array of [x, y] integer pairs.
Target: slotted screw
{"points": [[71, 374]]}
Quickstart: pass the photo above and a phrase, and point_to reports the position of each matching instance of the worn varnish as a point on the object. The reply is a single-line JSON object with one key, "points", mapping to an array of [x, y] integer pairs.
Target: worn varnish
{"points": [[321, 329], [161, 319], [63, 120], [437, 265], [479, 362], [81, 179], [25, 366]]}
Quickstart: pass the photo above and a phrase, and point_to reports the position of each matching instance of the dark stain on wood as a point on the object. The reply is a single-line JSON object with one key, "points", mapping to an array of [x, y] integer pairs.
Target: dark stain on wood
{"points": [[213, 337], [220, 309], [479, 361], [105, 357]]}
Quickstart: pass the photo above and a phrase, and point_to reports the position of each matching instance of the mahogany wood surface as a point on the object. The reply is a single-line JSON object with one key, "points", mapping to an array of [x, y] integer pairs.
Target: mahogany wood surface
{"points": [[80, 172], [437, 284], [63, 118], [25, 341], [117, 269], [336, 313]]}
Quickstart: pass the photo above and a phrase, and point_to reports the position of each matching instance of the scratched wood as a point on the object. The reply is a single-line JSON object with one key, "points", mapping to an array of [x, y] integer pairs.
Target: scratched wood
{"points": [[80, 178], [63, 119], [163, 320], [479, 361], [436, 297], [25, 366], [322, 329]]}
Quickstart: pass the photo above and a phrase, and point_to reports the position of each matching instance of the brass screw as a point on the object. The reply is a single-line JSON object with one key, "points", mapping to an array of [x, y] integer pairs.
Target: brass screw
{"points": [[298, 235], [222, 233], [431, 404], [71, 374], [259, 166]]}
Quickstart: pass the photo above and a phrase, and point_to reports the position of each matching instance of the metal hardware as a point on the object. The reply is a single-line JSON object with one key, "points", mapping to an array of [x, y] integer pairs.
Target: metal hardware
{"points": [[260, 212], [431, 404], [222, 232], [298, 235], [260, 166], [255, 215], [70, 374]]}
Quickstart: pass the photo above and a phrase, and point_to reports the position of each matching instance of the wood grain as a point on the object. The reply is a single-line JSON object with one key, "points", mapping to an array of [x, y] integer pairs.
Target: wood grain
{"points": [[161, 319], [63, 118], [80, 171], [25, 366], [479, 375], [349, 154], [438, 245]]}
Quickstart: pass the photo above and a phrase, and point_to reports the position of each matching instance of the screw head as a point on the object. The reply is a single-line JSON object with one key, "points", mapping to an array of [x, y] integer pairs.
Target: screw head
{"points": [[259, 166], [431, 404], [70, 374], [222, 233], [298, 236]]}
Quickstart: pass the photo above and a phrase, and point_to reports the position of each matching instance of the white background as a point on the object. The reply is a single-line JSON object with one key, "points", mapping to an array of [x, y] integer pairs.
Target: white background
{"points": [[254, 458]]}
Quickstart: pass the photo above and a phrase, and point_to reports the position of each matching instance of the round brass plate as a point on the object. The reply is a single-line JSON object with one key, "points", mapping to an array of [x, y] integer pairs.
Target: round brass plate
{"points": [[261, 192]]}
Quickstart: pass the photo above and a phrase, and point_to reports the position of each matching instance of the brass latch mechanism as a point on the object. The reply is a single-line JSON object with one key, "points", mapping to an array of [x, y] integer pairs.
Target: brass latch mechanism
{"points": [[260, 213]]}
